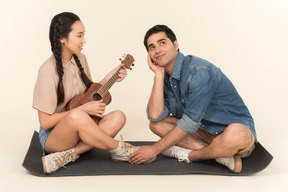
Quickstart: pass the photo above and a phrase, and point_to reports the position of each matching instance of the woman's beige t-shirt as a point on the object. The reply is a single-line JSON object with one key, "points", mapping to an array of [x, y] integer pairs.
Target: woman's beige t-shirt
{"points": [[45, 90]]}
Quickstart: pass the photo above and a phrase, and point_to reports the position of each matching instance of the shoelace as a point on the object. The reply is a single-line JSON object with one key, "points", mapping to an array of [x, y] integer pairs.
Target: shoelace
{"points": [[128, 148], [62, 160]]}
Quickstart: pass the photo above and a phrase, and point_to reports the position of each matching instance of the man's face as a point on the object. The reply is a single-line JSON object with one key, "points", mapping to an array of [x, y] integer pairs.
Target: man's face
{"points": [[162, 50]]}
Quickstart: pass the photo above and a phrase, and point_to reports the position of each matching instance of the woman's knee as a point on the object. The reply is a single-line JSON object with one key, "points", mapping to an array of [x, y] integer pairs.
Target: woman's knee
{"points": [[77, 117], [118, 118]]}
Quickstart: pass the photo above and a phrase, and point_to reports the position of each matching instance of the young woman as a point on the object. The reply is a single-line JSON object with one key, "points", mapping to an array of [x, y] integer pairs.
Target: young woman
{"points": [[64, 135]]}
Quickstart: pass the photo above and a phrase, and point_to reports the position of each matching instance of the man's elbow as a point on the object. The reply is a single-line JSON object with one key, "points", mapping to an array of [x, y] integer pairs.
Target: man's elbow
{"points": [[154, 116]]}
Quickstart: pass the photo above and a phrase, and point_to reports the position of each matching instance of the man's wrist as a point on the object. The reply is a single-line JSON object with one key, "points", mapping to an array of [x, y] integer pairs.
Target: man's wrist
{"points": [[160, 73], [158, 147]]}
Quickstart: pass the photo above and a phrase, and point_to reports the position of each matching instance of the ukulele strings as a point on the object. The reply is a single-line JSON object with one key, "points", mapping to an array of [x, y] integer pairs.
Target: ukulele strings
{"points": [[104, 89]]}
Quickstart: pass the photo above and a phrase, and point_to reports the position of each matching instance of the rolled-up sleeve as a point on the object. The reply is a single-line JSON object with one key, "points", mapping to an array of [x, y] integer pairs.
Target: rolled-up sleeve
{"points": [[187, 124], [162, 115]]}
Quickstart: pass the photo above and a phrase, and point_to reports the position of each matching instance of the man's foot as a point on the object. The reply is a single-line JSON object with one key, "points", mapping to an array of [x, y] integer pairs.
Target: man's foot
{"points": [[177, 152], [54, 161], [234, 163], [123, 152]]}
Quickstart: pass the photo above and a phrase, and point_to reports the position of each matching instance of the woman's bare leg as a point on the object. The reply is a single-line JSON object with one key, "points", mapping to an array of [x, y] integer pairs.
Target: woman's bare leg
{"points": [[77, 124], [112, 123]]}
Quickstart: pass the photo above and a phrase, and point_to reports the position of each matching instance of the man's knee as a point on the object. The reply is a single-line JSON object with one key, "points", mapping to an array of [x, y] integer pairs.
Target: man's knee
{"points": [[153, 127], [161, 128], [237, 134]]}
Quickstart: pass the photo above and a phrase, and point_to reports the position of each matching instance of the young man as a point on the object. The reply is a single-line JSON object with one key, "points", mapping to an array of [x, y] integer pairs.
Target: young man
{"points": [[193, 107]]}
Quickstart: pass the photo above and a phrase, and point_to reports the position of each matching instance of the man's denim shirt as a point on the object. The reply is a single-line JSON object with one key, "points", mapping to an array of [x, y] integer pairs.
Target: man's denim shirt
{"points": [[200, 95]]}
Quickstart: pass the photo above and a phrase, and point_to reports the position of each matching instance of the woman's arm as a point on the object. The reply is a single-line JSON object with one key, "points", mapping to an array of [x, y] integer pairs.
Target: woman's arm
{"points": [[122, 74], [50, 120]]}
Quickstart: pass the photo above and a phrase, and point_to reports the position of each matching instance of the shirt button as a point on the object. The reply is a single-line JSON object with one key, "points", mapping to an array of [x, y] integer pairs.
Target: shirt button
{"points": [[175, 86], [203, 126], [216, 133]]}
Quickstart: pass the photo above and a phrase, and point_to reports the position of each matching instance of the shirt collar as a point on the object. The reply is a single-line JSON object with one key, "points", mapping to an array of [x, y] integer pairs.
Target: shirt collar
{"points": [[67, 63], [178, 66]]}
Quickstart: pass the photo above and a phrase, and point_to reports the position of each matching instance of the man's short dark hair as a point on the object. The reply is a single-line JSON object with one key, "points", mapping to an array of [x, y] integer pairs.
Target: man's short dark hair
{"points": [[159, 28]]}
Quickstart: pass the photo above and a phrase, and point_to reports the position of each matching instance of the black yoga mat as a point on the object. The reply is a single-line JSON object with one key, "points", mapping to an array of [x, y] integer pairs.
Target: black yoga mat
{"points": [[98, 162]]}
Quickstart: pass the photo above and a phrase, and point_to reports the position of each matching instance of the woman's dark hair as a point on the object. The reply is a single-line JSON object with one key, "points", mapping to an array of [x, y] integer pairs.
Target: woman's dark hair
{"points": [[159, 28], [60, 27]]}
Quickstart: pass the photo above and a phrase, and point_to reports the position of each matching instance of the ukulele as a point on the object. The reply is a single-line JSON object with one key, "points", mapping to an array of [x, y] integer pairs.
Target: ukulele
{"points": [[97, 91]]}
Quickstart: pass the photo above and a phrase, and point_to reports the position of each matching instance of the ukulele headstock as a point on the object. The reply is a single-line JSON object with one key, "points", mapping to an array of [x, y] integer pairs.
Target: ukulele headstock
{"points": [[127, 60]]}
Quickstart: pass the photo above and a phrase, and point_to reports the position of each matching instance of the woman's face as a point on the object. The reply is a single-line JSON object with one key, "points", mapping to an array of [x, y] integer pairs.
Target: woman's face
{"points": [[73, 44]]}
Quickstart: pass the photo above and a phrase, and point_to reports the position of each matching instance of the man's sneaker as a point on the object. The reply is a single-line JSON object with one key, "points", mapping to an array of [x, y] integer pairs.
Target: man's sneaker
{"points": [[123, 152], [54, 161], [234, 163], [177, 152]]}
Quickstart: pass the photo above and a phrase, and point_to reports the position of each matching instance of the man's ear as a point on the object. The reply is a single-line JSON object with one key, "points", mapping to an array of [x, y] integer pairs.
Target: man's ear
{"points": [[176, 45]]}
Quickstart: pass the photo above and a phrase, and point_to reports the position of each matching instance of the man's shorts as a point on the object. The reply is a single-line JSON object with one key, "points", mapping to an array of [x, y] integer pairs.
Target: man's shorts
{"points": [[208, 137]]}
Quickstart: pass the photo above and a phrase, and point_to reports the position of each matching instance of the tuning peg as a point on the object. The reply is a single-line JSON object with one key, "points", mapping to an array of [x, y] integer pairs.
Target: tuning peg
{"points": [[132, 64], [120, 59], [130, 69]]}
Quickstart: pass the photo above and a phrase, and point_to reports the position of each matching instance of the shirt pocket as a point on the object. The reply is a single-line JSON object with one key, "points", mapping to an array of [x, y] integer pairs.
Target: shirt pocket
{"points": [[174, 106]]}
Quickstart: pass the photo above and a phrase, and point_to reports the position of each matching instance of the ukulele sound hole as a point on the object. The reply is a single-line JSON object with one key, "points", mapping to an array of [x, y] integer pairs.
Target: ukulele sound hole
{"points": [[96, 97]]}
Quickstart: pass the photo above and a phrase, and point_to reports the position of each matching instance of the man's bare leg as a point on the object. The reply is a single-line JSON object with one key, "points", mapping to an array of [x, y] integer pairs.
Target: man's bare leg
{"points": [[234, 138], [162, 128]]}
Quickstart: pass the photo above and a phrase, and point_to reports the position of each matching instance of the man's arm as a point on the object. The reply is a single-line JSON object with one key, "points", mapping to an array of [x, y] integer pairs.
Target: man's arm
{"points": [[156, 101], [155, 107], [148, 152]]}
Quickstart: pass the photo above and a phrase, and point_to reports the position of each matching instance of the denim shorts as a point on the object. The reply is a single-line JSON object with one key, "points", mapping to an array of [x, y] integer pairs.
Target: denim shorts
{"points": [[43, 134]]}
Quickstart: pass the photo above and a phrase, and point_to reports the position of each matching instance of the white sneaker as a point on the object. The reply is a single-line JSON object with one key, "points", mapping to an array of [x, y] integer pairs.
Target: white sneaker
{"points": [[234, 163], [123, 152], [54, 161], [177, 152]]}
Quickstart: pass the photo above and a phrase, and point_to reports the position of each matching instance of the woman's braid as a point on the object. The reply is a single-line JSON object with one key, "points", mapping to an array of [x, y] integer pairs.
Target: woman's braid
{"points": [[84, 77], [57, 50]]}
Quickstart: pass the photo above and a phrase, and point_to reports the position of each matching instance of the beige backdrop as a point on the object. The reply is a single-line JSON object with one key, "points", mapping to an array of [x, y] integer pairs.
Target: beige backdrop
{"points": [[247, 39]]}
